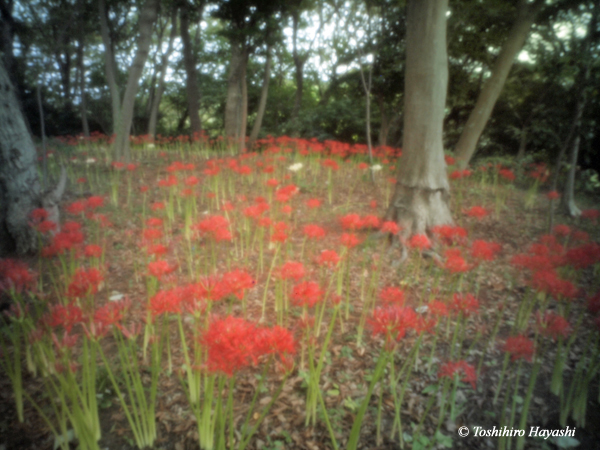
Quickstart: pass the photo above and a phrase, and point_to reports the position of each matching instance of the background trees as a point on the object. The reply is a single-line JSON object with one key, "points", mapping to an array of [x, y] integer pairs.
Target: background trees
{"points": [[217, 67]]}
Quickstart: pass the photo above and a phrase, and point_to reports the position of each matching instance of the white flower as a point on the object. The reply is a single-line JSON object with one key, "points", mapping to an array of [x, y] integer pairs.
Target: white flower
{"points": [[90, 160], [296, 167], [151, 145], [376, 167]]}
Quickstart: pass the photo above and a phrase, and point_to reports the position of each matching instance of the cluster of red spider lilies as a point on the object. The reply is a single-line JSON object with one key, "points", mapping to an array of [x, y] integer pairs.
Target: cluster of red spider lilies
{"points": [[257, 263]]}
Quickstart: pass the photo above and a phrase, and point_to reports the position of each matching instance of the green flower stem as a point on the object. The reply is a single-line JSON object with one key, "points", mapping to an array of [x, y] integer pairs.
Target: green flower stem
{"points": [[264, 303]]}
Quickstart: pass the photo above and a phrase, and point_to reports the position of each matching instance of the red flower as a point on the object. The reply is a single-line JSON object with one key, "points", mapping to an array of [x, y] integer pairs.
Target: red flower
{"points": [[562, 230], [292, 269], [330, 163], [477, 211], [390, 227], [547, 281], [553, 195], [14, 275], [238, 281], [392, 322], [38, 215], [92, 251], [216, 227], [154, 222], [152, 234], [160, 268], [552, 325], [85, 282], [450, 161], [168, 301], [63, 316], [350, 222], [307, 293], [392, 295], [75, 208], [419, 241], [349, 240], [314, 231], [94, 202], [485, 251], [450, 369], [466, 304], [110, 314], [583, 256], [519, 347], [593, 303], [455, 263], [450, 235], [313, 203], [507, 174], [328, 258], [590, 214], [437, 308], [156, 206], [278, 234]]}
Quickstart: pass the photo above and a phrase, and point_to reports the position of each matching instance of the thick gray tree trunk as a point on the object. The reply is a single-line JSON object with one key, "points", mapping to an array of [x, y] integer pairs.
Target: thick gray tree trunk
{"points": [[236, 111], [110, 65], [147, 19], [420, 201], [189, 61], [262, 105], [19, 182], [467, 143], [161, 78]]}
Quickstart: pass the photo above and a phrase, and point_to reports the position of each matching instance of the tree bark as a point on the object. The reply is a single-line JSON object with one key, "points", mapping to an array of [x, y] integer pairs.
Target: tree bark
{"points": [[467, 143], [262, 105], [420, 200], [110, 65], [147, 19], [161, 78], [299, 62], [235, 114], [568, 198], [384, 128], [19, 182], [82, 103], [189, 61]]}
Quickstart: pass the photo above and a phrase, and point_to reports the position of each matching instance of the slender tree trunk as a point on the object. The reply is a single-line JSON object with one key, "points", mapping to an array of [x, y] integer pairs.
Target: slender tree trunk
{"points": [[19, 182], [466, 146], [262, 105], [82, 103], [161, 78], [299, 62], [189, 61], [384, 129], [147, 18], [235, 115], [522, 144], [568, 197], [110, 65], [420, 201]]}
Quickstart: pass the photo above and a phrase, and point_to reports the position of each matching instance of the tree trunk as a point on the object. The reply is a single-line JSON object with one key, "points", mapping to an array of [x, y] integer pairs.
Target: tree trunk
{"points": [[161, 78], [384, 128], [82, 103], [189, 61], [235, 116], [262, 105], [568, 197], [465, 148], [19, 182], [420, 201], [110, 65], [147, 18], [522, 144]]}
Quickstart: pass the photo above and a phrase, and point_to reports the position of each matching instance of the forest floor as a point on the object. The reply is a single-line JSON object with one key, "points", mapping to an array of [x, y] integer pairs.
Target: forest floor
{"points": [[476, 336]]}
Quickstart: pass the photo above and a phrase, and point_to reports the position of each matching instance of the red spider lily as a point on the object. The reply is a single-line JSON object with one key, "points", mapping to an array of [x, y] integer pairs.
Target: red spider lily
{"points": [[278, 234], [313, 203], [67, 341], [519, 347], [63, 316], [156, 249], [450, 369], [580, 236], [210, 288], [507, 174], [466, 304], [157, 206], [547, 281], [370, 221], [38, 215], [458, 174], [485, 251], [168, 301], [227, 206], [94, 202], [291, 269], [111, 314], [275, 341], [419, 241], [437, 308], [425, 324], [14, 276], [238, 282], [328, 258], [101, 219], [307, 293], [230, 345], [160, 268], [45, 227], [272, 182], [363, 166], [152, 234], [562, 230], [553, 195], [215, 226], [85, 282], [593, 303], [373, 204], [590, 214], [552, 325], [75, 208], [479, 212], [255, 211], [330, 163], [314, 231], [131, 167], [455, 263], [170, 181], [287, 192], [191, 181], [154, 222], [117, 165], [350, 222], [450, 235], [287, 210], [81, 180], [450, 161], [533, 262], [392, 296], [390, 227], [392, 322], [144, 189], [349, 240], [92, 251]]}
